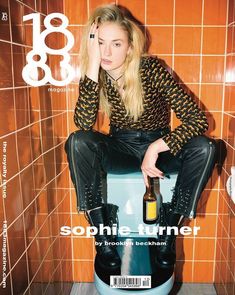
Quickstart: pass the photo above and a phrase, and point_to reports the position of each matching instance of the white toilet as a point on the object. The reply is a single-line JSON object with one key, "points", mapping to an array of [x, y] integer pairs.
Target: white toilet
{"points": [[135, 249]]}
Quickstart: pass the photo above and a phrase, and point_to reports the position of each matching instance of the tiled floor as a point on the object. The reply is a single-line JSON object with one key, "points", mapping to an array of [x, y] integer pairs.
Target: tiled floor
{"points": [[179, 289]]}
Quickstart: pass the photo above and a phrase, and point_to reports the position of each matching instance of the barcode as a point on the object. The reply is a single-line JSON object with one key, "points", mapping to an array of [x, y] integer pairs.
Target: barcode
{"points": [[130, 282]]}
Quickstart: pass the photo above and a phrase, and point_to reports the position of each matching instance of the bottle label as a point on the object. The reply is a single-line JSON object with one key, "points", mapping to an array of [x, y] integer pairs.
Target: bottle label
{"points": [[151, 210]]}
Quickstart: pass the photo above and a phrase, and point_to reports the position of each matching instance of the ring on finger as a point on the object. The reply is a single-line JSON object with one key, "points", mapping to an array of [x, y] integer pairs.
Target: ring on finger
{"points": [[92, 36]]}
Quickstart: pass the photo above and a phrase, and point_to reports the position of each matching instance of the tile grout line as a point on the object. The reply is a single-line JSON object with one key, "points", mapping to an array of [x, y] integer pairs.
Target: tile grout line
{"points": [[33, 238], [33, 176], [37, 195], [145, 20], [172, 55], [187, 25], [26, 208], [23, 4], [229, 114], [56, 180], [221, 134], [3, 203], [17, 152], [56, 196], [17, 157], [224, 260], [31, 124], [35, 160], [190, 82], [225, 214], [200, 81], [232, 147], [160, 54], [93, 244], [70, 191], [26, 248]]}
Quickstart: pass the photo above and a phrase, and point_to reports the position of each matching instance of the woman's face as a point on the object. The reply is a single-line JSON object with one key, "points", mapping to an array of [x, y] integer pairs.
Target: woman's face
{"points": [[114, 47]]}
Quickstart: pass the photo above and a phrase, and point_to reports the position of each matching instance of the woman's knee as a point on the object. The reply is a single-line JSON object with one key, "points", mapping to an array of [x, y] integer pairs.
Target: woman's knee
{"points": [[204, 144], [80, 139]]}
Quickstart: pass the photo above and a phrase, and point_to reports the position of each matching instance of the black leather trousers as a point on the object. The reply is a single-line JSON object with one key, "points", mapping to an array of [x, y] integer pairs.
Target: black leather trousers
{"points": [[92, 154]]}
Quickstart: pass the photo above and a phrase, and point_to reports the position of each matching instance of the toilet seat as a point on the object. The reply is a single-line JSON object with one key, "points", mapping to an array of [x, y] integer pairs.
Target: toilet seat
{"points": [[127, 192]]}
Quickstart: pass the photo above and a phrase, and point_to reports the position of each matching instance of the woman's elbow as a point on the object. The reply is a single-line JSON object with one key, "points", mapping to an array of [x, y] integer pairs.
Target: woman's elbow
{"points": [[82, 124]]}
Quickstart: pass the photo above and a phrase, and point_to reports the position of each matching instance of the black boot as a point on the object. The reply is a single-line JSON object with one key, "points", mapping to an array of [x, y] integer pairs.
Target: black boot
{"points": [[107, 255], [166, 255], [111, 218]]}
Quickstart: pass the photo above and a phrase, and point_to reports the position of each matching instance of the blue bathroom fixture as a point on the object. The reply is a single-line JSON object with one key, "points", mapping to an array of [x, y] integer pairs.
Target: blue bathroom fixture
{"points": [[139, 274]]}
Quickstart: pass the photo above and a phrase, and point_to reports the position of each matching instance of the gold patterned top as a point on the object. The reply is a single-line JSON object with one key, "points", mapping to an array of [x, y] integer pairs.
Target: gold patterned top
{"points": [[161, 92]]}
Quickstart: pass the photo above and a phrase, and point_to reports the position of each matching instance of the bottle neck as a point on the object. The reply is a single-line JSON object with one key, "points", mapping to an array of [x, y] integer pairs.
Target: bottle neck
{"points": [[150, 188], [157, 185]]}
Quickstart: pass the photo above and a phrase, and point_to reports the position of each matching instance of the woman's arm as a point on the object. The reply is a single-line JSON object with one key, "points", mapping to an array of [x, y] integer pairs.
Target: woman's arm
{"points": [[193, 119], [88, 102], [86, 109], [150, 158]]}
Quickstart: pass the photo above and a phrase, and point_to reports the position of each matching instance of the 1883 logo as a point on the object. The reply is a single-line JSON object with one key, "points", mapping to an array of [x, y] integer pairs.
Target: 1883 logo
{"points": [[41, 49]]}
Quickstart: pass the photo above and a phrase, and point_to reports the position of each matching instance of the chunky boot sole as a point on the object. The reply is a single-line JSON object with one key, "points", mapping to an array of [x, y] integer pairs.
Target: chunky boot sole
{"points": [[166, 256], [107, 255], [115, 262], [165, 259]]}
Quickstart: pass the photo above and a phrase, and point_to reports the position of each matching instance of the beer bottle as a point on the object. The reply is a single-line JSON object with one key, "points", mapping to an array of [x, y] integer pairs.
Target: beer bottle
{"points": [[150, 204], [158, 195]]}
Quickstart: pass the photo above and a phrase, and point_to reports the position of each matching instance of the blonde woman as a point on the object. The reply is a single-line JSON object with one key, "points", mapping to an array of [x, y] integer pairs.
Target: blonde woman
{"points": [[136, 92]]}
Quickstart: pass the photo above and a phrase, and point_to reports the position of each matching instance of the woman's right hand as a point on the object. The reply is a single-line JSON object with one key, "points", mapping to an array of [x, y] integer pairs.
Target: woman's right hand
{"points": [[94, 55]]}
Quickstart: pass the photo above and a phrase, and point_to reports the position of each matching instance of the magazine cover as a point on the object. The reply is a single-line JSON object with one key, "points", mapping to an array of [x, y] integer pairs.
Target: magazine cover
{"points": [[117, 147]]}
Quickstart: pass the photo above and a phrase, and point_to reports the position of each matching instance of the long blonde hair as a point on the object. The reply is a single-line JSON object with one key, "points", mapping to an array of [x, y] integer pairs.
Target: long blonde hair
{"points": [[133, 94]]}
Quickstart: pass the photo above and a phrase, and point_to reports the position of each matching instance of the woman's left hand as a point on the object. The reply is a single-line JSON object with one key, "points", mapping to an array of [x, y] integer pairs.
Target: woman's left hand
{"points": [[148, 165], [150, 158]]}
